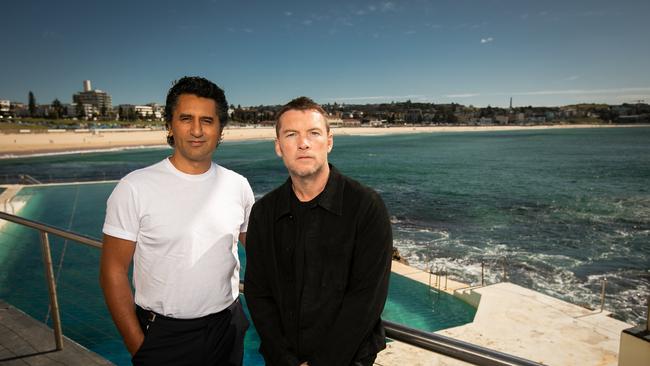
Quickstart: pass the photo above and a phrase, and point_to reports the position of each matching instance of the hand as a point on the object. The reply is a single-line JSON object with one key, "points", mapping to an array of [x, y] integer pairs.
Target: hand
{"points": [[135, 344], [304, 364]]}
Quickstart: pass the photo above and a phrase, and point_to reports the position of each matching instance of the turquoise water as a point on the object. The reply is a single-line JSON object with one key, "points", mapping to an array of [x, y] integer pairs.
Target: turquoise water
{"points": [[567, 208], [79, 207]]}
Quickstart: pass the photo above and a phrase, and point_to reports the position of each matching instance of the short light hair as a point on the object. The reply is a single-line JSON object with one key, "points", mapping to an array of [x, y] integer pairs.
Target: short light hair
{"points": [[301, 104]]}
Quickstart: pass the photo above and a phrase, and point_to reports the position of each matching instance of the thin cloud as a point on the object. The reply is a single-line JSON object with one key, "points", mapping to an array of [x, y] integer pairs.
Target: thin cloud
{"points": [[594, 13], [288, 13], [307, 22], [486, 40], [581, 91], [433, 26], [622, 93], [387, 6], [466, 95], [572, 78], [379, 97]]}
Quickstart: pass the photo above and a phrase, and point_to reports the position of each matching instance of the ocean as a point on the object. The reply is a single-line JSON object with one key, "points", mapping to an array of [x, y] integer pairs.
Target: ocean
{"points": [[563, 209]]}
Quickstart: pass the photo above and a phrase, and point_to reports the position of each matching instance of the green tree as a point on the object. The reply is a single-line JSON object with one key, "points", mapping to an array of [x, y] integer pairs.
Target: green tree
{"points": [[79, 110], [57, 109], [32, 104]]}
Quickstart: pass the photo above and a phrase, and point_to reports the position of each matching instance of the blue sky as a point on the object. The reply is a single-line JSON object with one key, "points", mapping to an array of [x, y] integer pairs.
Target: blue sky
{"points": [[476, 52]]}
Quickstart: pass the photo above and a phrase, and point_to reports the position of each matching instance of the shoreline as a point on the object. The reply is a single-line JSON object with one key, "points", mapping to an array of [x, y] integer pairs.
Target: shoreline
{"points": [[18, 145]]}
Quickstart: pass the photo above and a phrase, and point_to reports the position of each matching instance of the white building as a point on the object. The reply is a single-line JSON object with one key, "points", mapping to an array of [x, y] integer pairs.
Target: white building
{"points": [[97, 98], [5, 107]]}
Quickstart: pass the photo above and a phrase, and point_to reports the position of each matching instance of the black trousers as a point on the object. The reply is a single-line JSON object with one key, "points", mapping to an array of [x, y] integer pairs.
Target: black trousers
{"points": [[215, 339]]}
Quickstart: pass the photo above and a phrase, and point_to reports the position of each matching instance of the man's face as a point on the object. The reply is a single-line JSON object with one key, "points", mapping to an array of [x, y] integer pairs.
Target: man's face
{"points": [[196, 130], [303, 142]]}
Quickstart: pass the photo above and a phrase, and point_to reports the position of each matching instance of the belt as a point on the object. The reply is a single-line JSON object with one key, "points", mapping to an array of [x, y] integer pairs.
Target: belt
{"points": [[152, 316]]}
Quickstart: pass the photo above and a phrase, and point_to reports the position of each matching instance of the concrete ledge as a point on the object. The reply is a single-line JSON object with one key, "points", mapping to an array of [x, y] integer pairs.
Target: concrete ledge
{"points": [[635, 347], [26, 341]]}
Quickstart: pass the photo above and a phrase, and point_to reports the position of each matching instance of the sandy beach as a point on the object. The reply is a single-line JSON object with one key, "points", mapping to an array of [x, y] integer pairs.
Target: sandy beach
{"points": [[35, 143]]}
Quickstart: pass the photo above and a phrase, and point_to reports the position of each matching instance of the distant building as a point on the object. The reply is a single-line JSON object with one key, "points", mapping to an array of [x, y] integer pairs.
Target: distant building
{"points": [[157, 110], [334, 121], [502, 120], [99, 100], [19, 109], [72, 110], [485, 121], [5, 108], [147, 111]]}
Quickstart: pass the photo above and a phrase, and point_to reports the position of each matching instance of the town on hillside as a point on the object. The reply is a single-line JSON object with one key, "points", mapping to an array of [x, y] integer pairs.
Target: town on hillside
{"points": [[92, 108]]}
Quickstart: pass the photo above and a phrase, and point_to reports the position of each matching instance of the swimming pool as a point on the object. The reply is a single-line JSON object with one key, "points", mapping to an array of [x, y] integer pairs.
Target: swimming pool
{"points": [[85, 319]]}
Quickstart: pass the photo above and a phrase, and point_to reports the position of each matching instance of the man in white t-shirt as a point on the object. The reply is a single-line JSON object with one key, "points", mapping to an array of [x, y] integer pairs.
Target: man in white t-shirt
{"points": [[179, 221]]}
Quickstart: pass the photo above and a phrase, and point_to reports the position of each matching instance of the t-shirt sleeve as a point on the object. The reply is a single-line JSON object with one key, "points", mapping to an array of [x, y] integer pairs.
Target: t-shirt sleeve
{"points": [[248, 199], [122, 219]]}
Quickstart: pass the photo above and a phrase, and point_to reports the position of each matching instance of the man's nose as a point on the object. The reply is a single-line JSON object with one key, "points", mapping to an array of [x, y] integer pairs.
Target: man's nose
{"points": [[303, 143], [196, 130]]}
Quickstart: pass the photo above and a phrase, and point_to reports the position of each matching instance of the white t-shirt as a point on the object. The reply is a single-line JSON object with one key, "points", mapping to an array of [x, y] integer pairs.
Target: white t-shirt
{"points": [[186, 229]]}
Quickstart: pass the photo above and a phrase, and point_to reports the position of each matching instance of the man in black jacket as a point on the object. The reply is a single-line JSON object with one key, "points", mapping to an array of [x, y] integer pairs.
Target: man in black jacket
{"points": [[318, 254]]}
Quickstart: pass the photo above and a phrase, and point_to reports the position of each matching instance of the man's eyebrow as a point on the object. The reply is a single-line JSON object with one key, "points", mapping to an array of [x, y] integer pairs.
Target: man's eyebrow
{"points": [[191, 115]]}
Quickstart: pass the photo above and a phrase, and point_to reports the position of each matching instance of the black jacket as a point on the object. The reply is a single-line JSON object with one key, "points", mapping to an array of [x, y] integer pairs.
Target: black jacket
{"points": [[316, 290]]}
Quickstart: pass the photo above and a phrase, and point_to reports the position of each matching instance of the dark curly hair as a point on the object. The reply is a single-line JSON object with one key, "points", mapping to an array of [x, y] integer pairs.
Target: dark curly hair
{"points": [[201, 87]]}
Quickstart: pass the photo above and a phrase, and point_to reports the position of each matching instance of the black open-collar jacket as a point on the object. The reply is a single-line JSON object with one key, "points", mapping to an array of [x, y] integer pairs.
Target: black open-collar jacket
{"points": [[316, 288]]}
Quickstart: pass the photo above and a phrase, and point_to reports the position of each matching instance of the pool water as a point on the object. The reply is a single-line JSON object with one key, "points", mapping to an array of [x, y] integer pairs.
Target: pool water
{"points": [[85, 319]]}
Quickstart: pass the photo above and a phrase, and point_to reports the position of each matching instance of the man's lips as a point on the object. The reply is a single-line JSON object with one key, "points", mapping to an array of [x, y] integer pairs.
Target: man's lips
{"points": [[196, 143]]}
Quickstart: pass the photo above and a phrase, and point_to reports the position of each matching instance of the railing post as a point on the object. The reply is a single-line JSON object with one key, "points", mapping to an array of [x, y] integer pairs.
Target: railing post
{"points": [[482, 273], [446, 277], [647, 321], [54, 303], [602, 295]]}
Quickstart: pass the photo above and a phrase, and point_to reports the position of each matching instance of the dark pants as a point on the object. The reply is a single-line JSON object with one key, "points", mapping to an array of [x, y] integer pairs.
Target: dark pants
{"points": [[366, 361], [215, 339]]}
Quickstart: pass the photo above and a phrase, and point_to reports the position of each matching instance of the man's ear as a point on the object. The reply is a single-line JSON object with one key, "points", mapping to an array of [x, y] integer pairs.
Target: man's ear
{"points": [[330, 142], [278, 150]]}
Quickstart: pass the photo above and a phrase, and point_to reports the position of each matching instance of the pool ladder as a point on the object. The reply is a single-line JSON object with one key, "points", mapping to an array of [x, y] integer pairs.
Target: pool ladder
{"points": [[439, 272]]}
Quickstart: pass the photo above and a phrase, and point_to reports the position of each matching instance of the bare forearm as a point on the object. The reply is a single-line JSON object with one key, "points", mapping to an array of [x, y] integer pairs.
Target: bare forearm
{"points": [[119, 299]]}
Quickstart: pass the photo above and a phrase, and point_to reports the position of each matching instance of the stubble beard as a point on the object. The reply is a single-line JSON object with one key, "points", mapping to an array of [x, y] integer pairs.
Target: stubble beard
{"points": [[306, 173]]}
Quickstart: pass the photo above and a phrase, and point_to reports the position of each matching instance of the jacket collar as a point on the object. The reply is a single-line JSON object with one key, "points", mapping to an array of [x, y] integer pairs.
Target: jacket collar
{"points": [[330, 199]]}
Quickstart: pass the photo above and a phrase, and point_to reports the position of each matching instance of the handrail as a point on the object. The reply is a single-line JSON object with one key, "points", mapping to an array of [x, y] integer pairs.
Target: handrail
{"points": [[29, 179], [447, 346], [498, 258], [83, 239]]}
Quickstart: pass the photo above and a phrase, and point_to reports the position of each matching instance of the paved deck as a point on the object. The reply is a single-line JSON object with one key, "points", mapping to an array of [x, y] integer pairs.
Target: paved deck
{"points": [[26, 341], [521, 322]]}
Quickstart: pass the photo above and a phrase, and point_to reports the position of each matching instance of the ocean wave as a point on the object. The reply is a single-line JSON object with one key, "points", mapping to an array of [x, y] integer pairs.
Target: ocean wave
{"points": [[552, 274]]}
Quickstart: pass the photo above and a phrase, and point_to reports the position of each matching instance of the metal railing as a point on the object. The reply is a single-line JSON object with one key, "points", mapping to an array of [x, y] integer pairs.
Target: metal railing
{"points": [[451, 347], [47, 263], [28, 179], [447, 346]]}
